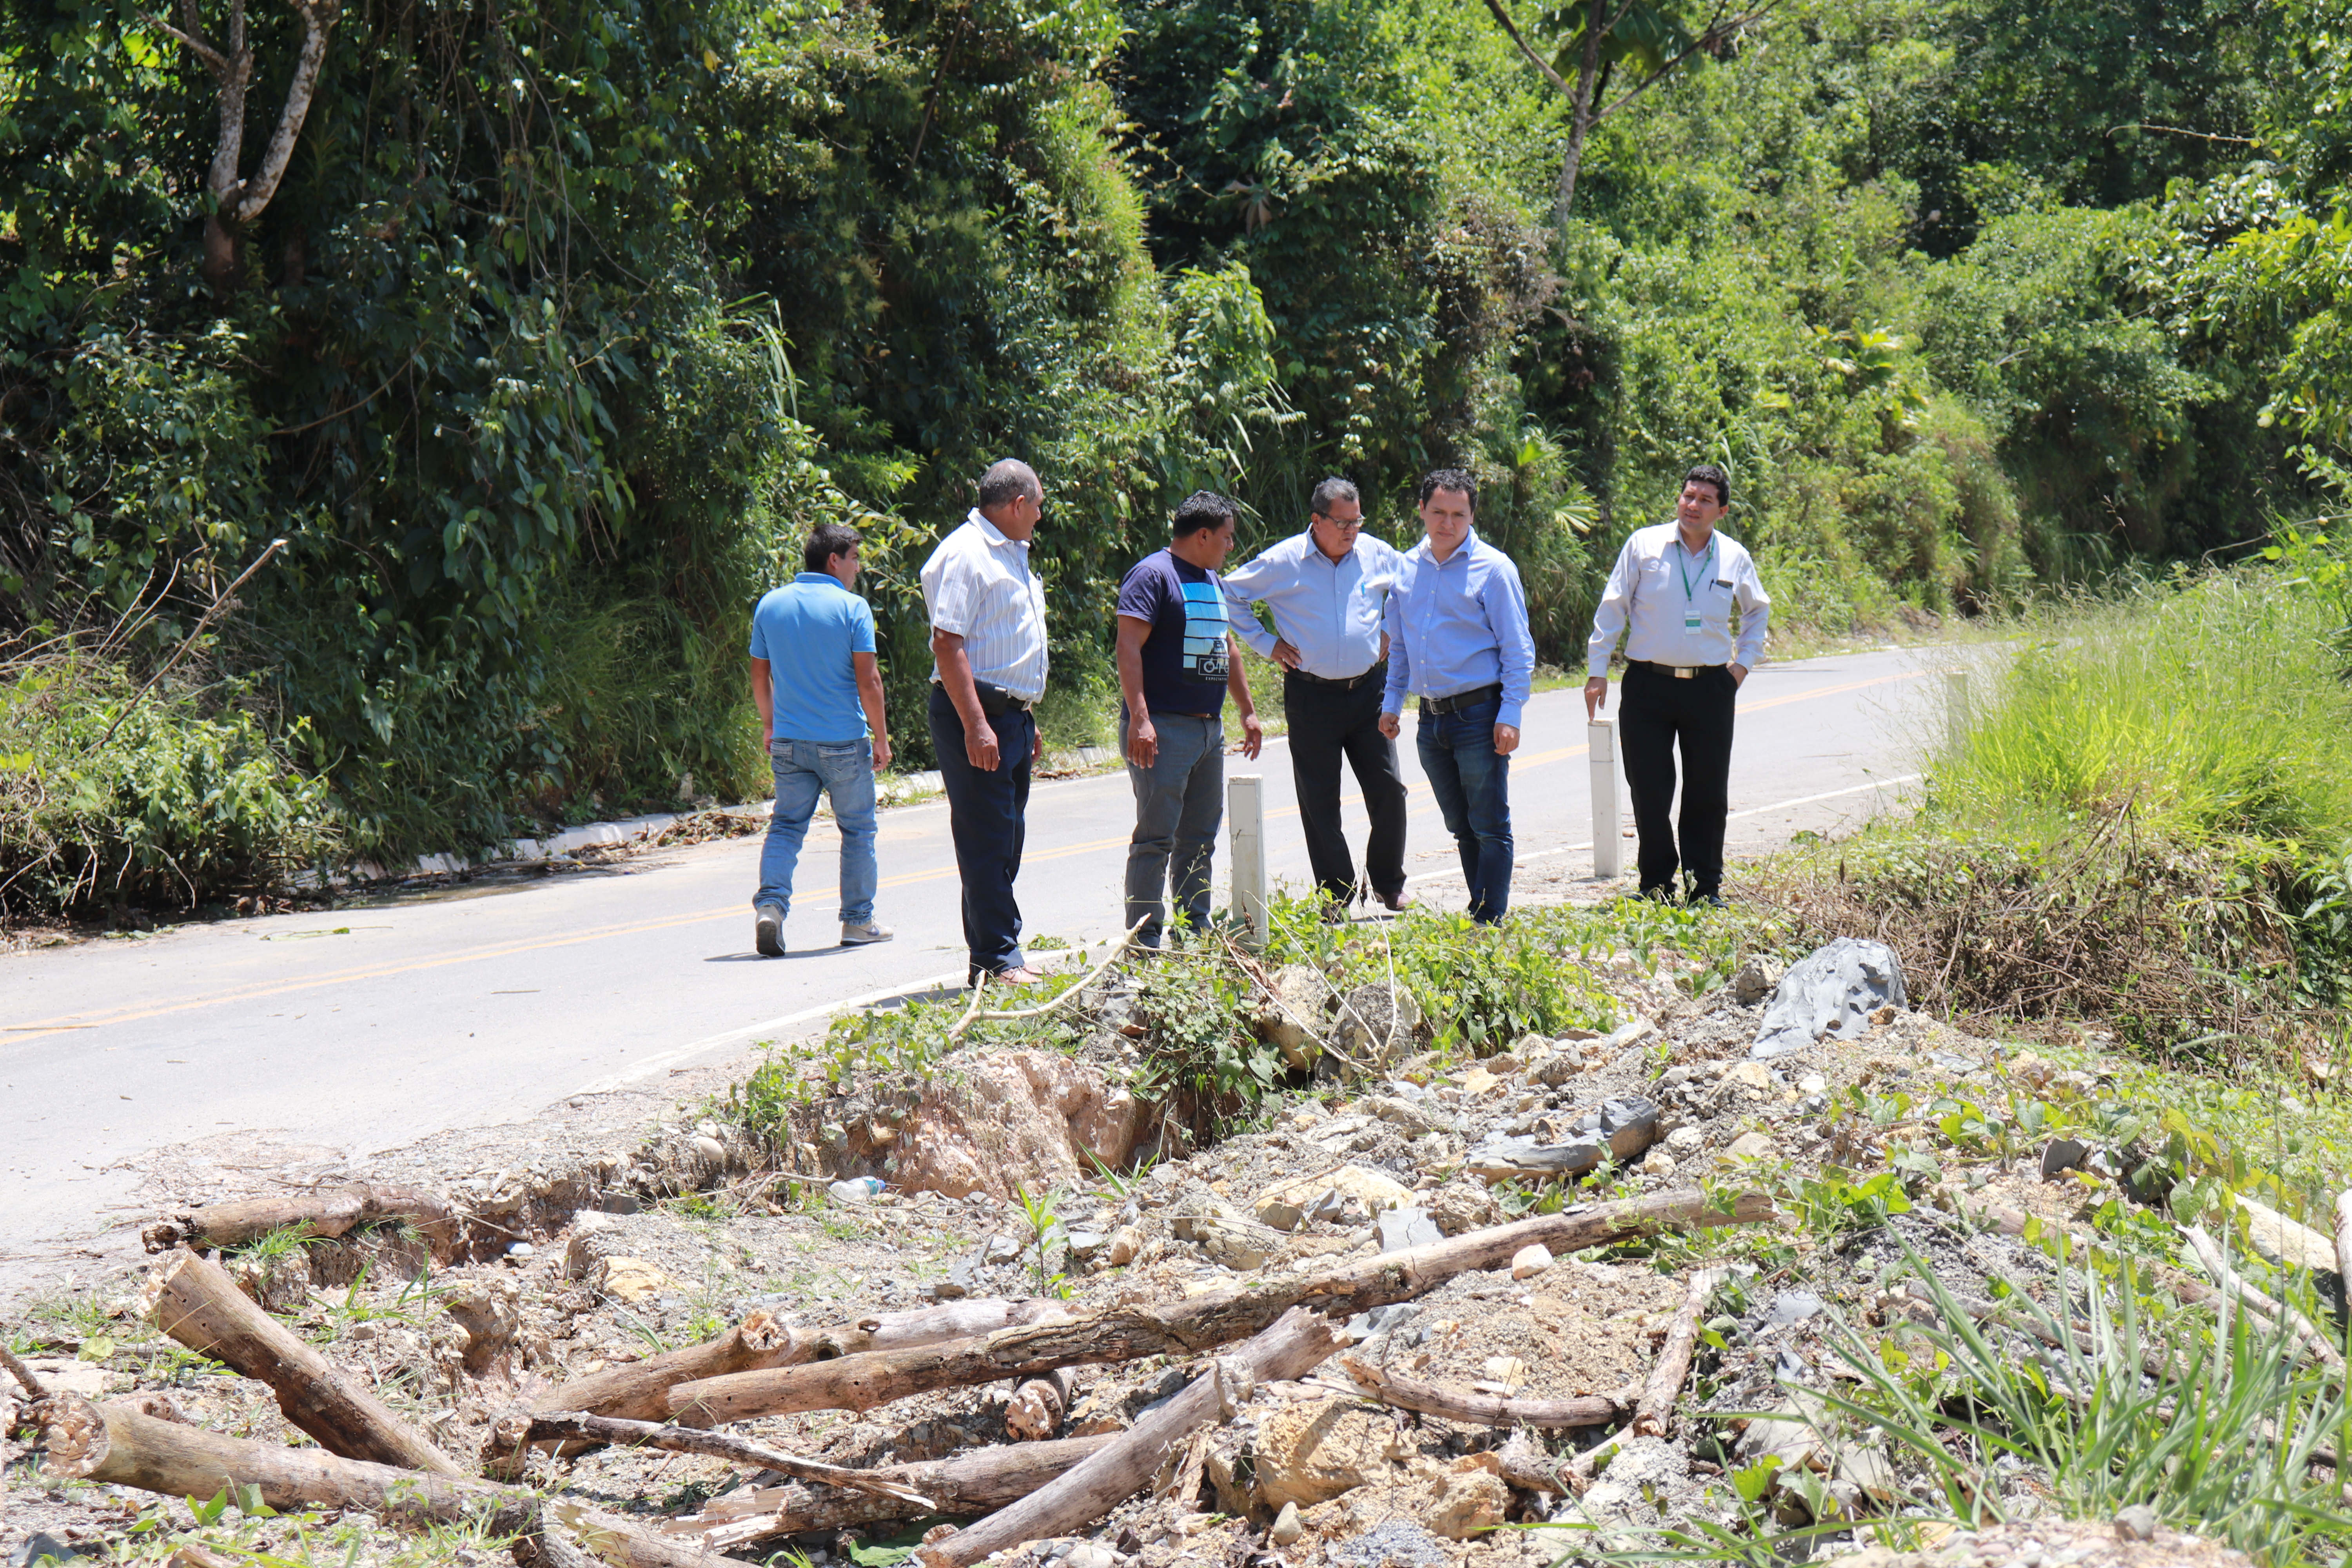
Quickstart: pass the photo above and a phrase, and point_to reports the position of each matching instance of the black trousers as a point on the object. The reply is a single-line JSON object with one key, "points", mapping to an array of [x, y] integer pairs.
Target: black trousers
{"points": [[1655, 709], [1327, 723], [988, 819]]}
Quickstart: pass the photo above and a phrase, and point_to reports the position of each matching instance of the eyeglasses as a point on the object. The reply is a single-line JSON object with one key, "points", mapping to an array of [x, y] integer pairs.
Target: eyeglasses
{"points": [[1336, 522]]}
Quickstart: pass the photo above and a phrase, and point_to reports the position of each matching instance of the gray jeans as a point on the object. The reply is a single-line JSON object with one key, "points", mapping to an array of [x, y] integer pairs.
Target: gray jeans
{"points": [[1179, 801]]}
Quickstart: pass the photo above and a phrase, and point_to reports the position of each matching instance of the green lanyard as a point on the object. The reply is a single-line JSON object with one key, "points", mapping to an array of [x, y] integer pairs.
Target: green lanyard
{"points": [[1691, 622]]}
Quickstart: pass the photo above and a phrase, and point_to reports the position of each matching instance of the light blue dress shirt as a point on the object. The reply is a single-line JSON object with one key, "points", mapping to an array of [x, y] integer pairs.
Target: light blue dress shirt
{"points": [[1328, 610], [1459, 625]]}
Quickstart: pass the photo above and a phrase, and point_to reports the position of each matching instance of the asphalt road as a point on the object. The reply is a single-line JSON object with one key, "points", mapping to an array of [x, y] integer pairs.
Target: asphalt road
{"points": [[367, 1028]]}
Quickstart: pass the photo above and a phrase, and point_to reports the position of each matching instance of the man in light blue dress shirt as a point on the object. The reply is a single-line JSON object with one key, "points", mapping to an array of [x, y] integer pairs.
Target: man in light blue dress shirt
{"points": [[1673, 593], [1458, 640], [1328, 589]]}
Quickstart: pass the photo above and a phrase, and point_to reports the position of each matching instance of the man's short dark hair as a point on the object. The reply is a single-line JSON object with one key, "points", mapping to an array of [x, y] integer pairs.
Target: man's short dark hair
{"points": [[1202, 511], [1009, 480], [1460, 480], [825, 541], [1331, 493], [1708, 474]]}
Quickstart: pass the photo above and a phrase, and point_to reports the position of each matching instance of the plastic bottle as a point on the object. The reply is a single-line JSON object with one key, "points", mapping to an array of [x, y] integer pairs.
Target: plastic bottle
{"points": [[856, 1190]]}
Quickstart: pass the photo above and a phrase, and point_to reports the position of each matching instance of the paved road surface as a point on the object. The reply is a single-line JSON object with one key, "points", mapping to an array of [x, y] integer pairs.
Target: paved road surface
{"points": [[370, 1027]]}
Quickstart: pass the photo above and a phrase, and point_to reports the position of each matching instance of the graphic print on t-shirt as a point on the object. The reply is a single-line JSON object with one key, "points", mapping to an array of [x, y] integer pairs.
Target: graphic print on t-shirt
{"points": [[1205, 654]]}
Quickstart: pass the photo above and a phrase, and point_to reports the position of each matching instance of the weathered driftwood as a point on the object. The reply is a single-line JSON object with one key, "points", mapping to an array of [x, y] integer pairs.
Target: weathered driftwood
{"points": [[196, 1303], [639, 1391], [2235, 1286], [1484, 1409], [1665, 1383], [114, 1444], [967, 1484], [1038, 1406], [326, 1210], [1294, 1344], [1178, 1327], [602, 1429]]}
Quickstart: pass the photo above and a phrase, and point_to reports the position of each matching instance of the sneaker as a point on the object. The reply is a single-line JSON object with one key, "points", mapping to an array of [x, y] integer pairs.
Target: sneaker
{"points": [[768, 936], [857, 933]]}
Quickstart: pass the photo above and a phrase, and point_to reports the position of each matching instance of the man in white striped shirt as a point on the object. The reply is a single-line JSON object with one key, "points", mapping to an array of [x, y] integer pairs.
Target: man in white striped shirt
{"points": [[987, 608], [1671, 594]]}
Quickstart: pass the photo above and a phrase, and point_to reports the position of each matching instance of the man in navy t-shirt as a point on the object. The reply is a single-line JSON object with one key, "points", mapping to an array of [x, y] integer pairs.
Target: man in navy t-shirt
{"points": [[818, 689], [1177, 662]]}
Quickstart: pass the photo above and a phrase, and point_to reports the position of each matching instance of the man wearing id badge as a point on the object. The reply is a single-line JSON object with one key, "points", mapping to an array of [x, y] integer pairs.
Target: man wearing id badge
{"points": [[1671, 595]]}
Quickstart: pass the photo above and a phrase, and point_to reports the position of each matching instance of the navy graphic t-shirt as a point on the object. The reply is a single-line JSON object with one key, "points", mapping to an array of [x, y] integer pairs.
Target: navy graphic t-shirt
{"points": [[1185, 659]]}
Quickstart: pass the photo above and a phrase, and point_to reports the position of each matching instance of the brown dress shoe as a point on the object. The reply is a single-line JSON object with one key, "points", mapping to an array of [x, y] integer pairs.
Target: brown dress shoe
{"points": [[1397, 901], [1025, 975]]}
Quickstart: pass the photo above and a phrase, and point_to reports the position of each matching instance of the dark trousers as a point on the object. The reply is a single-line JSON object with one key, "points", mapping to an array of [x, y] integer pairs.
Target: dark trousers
{"points": [[1472, 783], [1657, 710], [987, 818], [1327, 723]]}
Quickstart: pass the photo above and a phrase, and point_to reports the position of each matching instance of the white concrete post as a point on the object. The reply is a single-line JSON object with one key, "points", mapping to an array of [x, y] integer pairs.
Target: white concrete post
{"points": [[1608, 841], [1956, 708], [1245, 813]]}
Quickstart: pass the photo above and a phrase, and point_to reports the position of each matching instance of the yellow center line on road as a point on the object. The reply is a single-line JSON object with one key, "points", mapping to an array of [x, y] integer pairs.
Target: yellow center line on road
{"points": [[25, 1034]]}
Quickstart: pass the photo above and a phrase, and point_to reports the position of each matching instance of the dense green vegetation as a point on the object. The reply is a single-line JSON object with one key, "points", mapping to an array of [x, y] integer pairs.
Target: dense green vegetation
{"points": [[563, 324]]}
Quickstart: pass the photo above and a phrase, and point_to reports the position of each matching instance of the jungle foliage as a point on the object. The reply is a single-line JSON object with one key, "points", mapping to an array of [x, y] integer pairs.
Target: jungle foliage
{"points": [[565, 322]]}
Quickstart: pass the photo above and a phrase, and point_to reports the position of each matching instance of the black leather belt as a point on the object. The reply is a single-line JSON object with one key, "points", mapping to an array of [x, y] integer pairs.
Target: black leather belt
{"points": [[1461, 699], [995, 701], [1377, 671], [1679, 671]]}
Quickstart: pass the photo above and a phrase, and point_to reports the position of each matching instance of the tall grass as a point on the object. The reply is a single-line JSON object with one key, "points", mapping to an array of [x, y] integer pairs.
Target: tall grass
{"points": [[2206, 706]]}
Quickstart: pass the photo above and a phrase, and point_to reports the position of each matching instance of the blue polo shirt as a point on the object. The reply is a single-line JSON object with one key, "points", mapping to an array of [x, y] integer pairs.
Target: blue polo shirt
{"points": [[806, 630]]}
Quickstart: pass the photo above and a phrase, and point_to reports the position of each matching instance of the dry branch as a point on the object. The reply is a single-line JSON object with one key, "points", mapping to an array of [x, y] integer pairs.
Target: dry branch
{"points": [[1129, 1333], [1485, 1409], [1295, 1342], [22, 1373], [639, 1391], [2235, 1285], [973, 1014], [196, 1303], [325, 1212], [1665, 1385], [967, 1484], [687, 1440], [114, 1444]]}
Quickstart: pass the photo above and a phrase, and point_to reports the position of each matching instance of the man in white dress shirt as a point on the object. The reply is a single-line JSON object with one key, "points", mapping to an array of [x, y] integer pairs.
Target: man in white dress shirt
{"points": [[1673, 593], [1327, 588], [987, 609]]}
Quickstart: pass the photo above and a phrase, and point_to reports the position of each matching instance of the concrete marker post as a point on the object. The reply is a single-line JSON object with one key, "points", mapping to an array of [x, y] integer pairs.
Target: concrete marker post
{"points": [[1608, 840], [1956, 708], [1246, 816]]}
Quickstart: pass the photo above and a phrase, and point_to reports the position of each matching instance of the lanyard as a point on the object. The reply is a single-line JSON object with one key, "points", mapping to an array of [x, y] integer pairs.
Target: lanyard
{"points": [[1681, 566]]}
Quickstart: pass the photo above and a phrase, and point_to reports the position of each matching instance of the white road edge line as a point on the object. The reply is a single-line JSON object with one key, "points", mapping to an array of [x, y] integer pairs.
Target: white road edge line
{"points": [[669, 1058]]}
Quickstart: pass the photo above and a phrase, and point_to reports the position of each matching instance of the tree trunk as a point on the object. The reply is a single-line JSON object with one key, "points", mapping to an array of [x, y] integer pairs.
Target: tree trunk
{"points": [[639, 1391], [1469, 1405], [113, 1443], [1580, 123], [199, 1305], [967, 1484], [331, 1212], [1295, 1344], [1180, 1328]]}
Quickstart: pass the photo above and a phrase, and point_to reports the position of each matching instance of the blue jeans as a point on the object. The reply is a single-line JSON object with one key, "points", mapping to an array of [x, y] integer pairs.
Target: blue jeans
{"points": [[1473, 786], [843, 770], [1179, 801]]}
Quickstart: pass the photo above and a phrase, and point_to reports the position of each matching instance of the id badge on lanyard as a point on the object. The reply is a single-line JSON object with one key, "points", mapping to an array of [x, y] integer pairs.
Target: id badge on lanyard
{"points": [[1691, 618]]}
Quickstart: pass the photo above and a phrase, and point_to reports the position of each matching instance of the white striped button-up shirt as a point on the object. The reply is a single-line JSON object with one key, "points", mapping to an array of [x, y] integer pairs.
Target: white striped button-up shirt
{"points": [[978, 586], [1658, 588]]}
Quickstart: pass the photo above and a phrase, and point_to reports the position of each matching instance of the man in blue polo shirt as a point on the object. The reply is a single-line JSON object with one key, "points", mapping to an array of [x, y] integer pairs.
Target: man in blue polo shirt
{"points": [[826, 728]]}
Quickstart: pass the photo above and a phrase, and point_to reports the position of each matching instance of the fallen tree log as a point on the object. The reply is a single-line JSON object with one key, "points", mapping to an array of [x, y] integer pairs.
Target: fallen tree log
{"points": [[1665, 1383], [1484, 1409], [604, 1429], [1129, 1333], [1038, 1406], [1293, 1345], [966, 1485], [327, 1211], [639, 1390], [114, 1444], [196, 1303]]}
